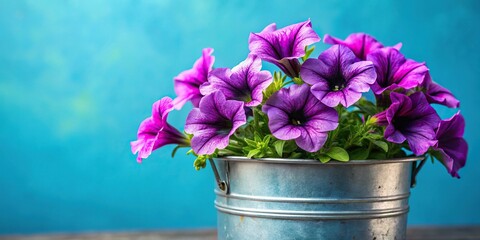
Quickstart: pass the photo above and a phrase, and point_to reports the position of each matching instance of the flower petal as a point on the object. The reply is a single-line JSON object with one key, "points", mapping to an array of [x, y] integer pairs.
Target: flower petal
{"points": [[288, 42], [219, 80], [360, 43], [160, 110], [245, 82], [280, 127], [311, 140], [455, 152], [337, 76], [284, 46], [360, 75], [154, 132], [438, 94], [451, 144], [420, 139], [410, 74], [411, 118], [393, 135], [394, 71], [294, 113], [452, 127], [187, 83], [214, 122]]}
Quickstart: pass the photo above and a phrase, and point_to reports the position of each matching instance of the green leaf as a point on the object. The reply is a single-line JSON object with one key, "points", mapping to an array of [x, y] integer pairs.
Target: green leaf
{"points": [[374, 136], [266, 139], [366, 106], [381, 144], [279, 147], [359, 153], [377, 155], [257, 137], [338, 153], [253, 153], [324, 158], [250, 142], [295, 155], [290, 146], [308, 52]]}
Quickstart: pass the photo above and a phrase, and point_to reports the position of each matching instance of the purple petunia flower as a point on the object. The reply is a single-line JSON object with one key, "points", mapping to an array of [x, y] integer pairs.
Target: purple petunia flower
{"points": [[214, 122], [284, 46], [154, 132], [451, 145], [410, 118], [294, 113], [245, 82], [394, 71], [188, 82], [337, 76], [361, 44], [438, 94]]}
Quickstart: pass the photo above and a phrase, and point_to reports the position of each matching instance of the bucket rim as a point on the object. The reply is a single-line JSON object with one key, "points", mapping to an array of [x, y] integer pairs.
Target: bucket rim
{"points": [[313, 161]]}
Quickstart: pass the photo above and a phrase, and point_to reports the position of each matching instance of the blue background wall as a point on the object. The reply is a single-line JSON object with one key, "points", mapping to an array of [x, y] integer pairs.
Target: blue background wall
{"points": [[77, 77]]}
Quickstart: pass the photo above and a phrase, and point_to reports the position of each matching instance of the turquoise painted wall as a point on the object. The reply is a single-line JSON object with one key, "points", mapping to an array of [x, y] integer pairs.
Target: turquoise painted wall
{"points": [[77, 77]]}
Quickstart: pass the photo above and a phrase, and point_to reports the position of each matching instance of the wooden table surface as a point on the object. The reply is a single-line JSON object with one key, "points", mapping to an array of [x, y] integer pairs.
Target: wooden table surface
{"points": [[414, 233]]}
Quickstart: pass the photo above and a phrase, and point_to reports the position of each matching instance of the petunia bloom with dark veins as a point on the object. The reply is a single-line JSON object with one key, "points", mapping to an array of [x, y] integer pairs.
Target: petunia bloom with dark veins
{"points": [[213, 122], [438, 94], [284, 46], [154, 132], [411, 119], [451, 147], [188, 82], [295, 114], [245, 82], [394, 71], [361, 44], [337, 76]]}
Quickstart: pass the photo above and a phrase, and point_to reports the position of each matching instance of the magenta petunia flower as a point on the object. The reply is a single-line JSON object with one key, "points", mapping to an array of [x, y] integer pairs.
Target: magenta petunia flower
{"points": [[337, 76], [284, 46], [154, 132], [410, 118], [438, 94], [394, 71], [295, 114], [188, 82], [214, 122], [361, 44], [451, 145], [245, 82]]}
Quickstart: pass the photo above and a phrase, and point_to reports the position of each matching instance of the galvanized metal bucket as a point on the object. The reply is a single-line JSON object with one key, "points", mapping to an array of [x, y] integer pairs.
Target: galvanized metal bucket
{"points": [[305, 199]]}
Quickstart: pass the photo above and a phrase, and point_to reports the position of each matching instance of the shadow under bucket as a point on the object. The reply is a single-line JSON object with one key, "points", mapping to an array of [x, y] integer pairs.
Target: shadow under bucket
{"points": [[306, 199]]}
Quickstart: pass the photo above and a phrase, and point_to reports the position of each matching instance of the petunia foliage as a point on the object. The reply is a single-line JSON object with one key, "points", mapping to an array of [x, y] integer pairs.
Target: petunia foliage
{"points": [[356, 100]]}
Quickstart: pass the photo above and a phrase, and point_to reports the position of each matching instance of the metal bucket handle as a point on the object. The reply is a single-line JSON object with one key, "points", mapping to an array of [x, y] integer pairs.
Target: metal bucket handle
{"points": [[222, 184], [415, 169]]}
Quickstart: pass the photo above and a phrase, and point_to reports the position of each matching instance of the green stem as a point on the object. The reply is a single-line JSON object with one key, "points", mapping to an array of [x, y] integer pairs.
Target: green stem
{"points": [[233, 148], [227, 152], [255, 118]]}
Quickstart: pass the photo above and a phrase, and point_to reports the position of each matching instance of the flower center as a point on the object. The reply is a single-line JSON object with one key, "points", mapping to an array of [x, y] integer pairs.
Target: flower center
{"points": [[337, 82], [243, 94], [338, 87], [297, 118], [224, 127], [400, 122], [247, 98]]}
